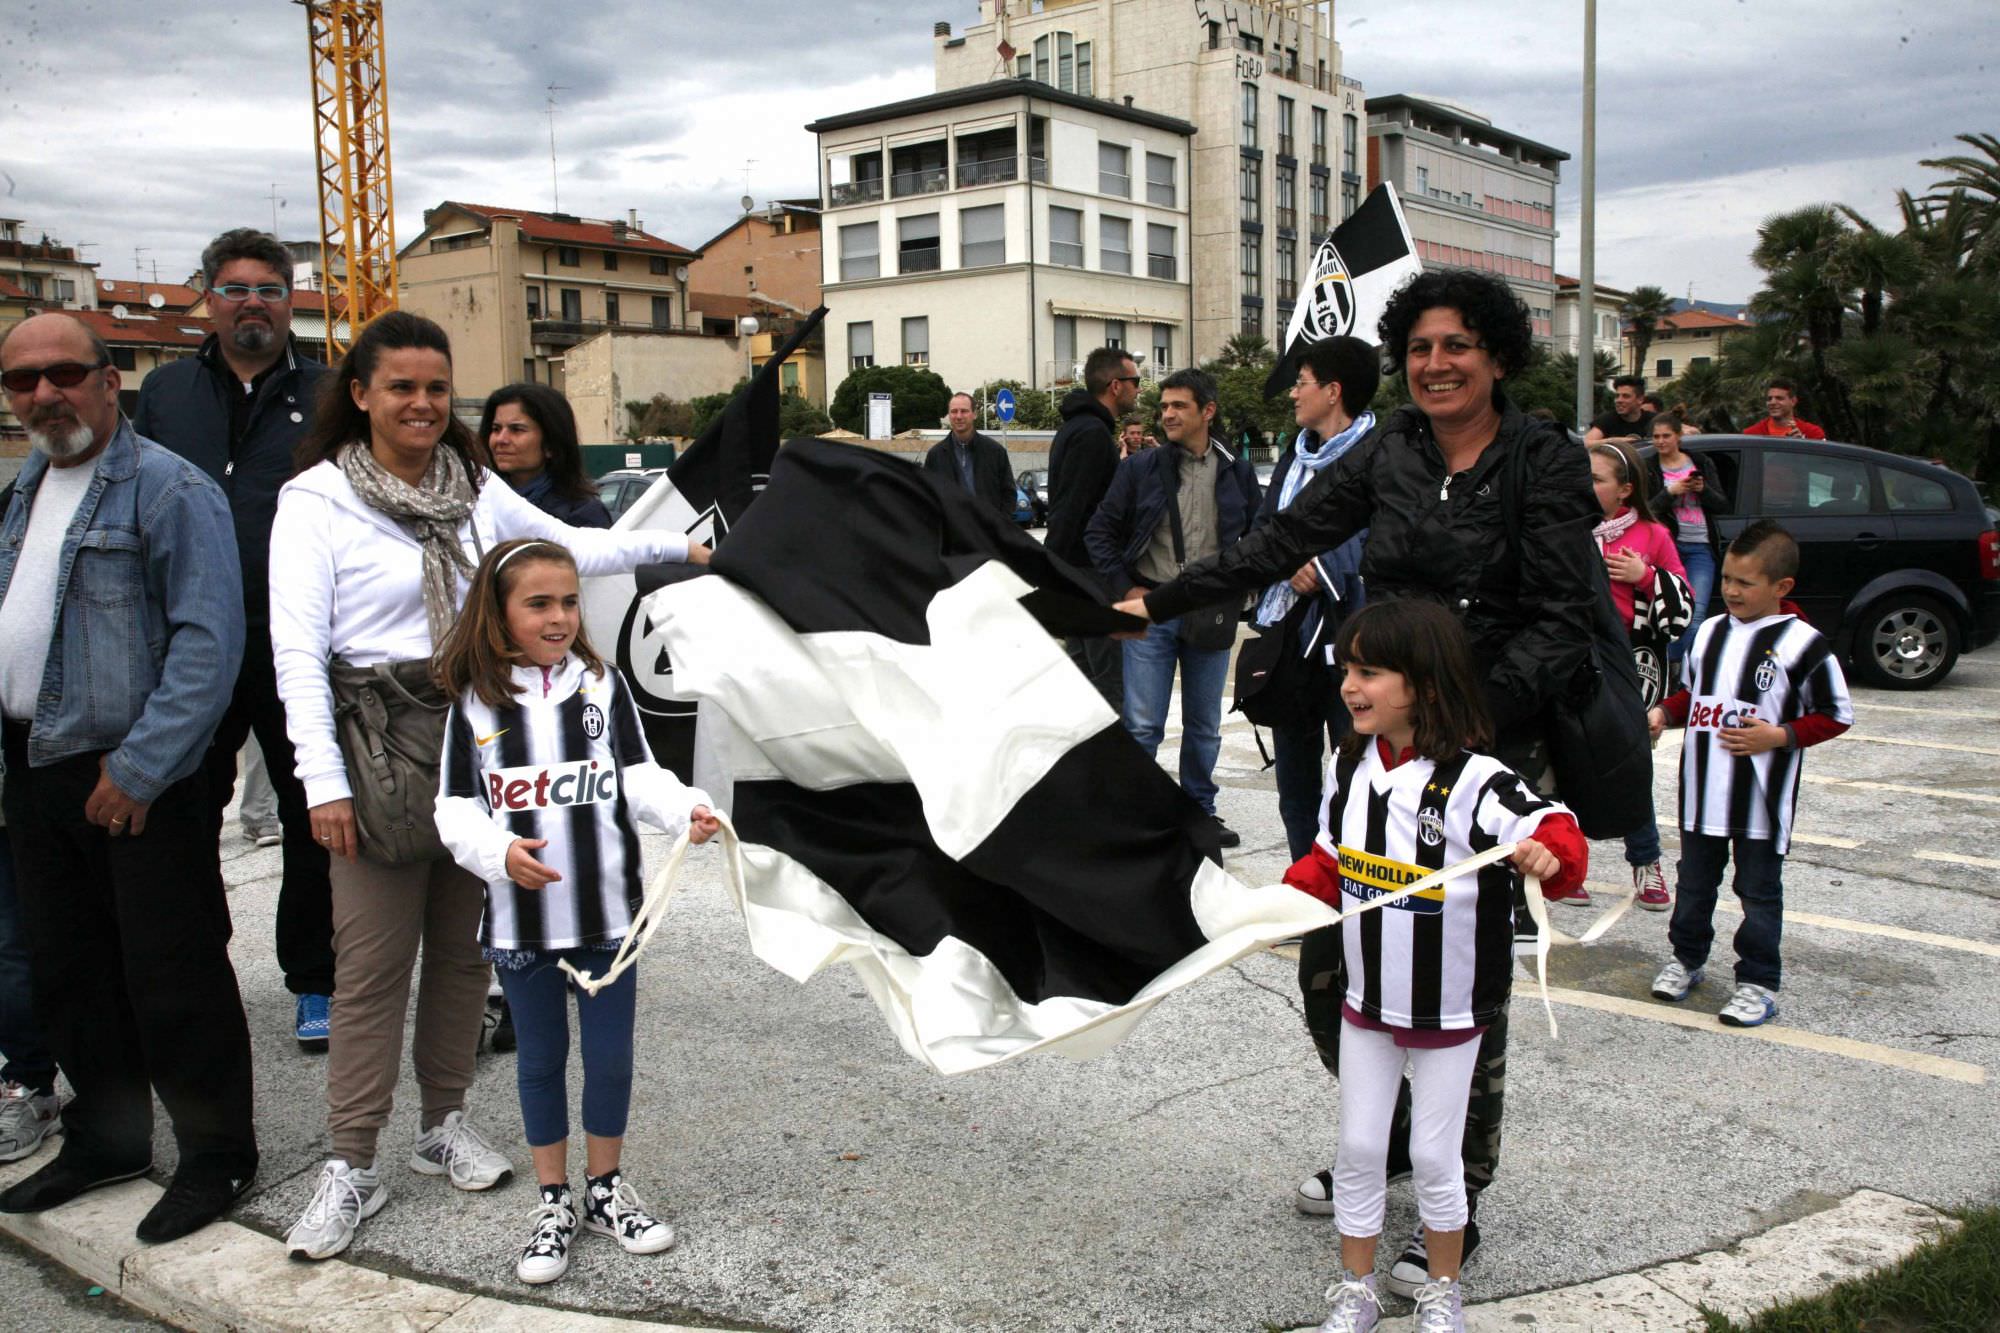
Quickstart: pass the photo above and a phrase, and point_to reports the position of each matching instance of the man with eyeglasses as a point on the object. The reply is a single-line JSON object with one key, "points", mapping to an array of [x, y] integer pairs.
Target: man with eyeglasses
{"points": [[1082, 457], [121, 631], [236, 409]]}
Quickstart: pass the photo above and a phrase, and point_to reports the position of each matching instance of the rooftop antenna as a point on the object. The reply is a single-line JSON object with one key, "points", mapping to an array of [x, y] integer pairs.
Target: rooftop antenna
{"points": [[276, 204], [748, 163], [138, 264], [555, 190]]}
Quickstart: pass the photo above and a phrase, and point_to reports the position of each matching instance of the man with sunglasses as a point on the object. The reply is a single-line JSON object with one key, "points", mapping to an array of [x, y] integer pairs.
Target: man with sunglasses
{"points": [[1082, 457], [121, 630], [236, 409]]}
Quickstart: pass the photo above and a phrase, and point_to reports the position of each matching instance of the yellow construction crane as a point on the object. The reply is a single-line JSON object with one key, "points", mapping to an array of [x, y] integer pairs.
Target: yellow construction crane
{"points": [[350, 90]]}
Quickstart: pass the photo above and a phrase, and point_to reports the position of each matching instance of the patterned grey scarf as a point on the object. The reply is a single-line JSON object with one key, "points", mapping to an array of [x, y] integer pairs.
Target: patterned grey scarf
{"points": [[430, 513]]}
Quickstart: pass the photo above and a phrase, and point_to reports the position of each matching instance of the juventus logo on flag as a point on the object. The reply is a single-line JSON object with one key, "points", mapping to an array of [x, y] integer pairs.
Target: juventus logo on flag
{"points": [[1355, 271]]}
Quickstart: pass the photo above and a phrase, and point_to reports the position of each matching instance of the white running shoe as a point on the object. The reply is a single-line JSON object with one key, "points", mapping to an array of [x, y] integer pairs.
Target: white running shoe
{"points": [[346, 1195], [1356, 1307], [1440, 1308], [458, 1150], [26, 1118], [1675, 981], [547, 1256], [613, 1208], [1751, 1006]]}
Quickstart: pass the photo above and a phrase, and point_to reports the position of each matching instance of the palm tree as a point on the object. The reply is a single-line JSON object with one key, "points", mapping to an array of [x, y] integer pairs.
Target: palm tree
{"points": [[1876, 261], [1976, 175], [1643, 310], [1245, 349]]}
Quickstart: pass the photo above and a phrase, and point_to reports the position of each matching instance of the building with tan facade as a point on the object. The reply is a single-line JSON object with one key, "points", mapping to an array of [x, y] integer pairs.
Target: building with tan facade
{"points": [[516, 288], [1475, 196], [1278, 160], [45, 270], [773, 252], [981, 231], [1681, 342]]}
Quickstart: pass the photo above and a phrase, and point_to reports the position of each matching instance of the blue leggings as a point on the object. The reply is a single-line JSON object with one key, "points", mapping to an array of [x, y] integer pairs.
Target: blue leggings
{"points": [[539, 996]]}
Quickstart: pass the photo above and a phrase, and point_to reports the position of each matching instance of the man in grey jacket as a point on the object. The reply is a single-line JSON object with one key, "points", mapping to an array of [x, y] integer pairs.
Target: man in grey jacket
{"points": [[121, 631]]}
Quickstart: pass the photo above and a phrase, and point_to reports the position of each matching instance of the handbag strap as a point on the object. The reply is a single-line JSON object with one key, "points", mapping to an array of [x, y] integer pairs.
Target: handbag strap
{"points": [[1174, 506]]}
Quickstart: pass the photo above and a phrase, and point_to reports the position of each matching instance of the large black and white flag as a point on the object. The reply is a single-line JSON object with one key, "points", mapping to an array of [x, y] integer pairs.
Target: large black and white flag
{"points": [[926, 788], [1355, 271], [703, 494]]}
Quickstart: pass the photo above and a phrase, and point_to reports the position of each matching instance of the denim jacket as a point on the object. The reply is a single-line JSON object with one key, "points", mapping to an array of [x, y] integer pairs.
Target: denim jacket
{"points": [[148, 631]]}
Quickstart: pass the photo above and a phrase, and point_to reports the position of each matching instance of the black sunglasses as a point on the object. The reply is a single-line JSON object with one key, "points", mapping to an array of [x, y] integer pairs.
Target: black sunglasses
{"points": [[63, 374]]}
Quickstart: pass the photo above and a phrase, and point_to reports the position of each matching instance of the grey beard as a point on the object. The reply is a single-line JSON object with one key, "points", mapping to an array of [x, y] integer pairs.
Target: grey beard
{"points": [[253, 337], [64, 444]]}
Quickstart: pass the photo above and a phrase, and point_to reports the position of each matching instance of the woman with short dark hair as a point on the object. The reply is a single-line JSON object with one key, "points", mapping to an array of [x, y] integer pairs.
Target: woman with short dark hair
{"points": [[531, 432]]}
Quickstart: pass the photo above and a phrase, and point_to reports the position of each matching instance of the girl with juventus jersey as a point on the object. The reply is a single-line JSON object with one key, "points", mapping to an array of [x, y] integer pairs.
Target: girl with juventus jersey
{"points": [[546, 775], [1428, 973]]}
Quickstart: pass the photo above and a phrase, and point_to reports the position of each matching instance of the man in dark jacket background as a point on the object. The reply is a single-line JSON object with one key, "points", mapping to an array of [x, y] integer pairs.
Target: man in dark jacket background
{"points": [[235, 409], [978, 463], [1166, 507], [1082, 457]]}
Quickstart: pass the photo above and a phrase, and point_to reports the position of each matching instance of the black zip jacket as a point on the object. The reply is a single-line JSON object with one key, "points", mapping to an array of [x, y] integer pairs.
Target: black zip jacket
{"points": [[185, 405], [1527, 612], [1082, 457], [1714, 499]]}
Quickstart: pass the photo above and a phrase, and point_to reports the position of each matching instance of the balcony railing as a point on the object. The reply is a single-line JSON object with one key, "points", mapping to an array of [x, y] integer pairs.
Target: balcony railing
{"points": [[918, 259], [1285, 146], [1112, 182], [989, 172], [857, 192], [569, 332], [1288, 219], [1161, 266], [929, 180]]}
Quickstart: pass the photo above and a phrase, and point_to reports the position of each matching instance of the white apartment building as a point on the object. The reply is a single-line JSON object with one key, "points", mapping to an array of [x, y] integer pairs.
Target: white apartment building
{"points": [[1606, 302], [1003, 230], [1279, 158], [1475, 195]]}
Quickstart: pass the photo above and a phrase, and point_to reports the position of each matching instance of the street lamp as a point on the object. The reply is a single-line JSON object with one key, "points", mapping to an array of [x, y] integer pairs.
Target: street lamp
{"points": [[748, 327]]}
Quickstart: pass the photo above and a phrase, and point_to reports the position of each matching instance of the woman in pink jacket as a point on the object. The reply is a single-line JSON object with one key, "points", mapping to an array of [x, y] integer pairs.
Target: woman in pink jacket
{"points": [[1650, 591]]}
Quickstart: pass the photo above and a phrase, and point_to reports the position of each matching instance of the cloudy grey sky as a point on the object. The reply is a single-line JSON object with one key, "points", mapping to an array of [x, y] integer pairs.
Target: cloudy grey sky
{"points": [[156, 123]]}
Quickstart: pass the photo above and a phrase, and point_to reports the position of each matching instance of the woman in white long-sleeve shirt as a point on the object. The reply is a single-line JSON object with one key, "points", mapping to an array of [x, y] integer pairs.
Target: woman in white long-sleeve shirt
{"points": [[375, 540]]}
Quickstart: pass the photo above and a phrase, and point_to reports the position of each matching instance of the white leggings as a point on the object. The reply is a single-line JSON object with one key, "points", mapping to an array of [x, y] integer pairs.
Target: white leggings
{"points": [[1371, 1070]]}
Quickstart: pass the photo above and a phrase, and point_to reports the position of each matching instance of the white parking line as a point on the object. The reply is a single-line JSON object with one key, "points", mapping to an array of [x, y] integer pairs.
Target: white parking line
{"points": [[1982, 797], [1926, 712], [1920, 745], [1956, 858], [1916, 1062], [1844, 844]]}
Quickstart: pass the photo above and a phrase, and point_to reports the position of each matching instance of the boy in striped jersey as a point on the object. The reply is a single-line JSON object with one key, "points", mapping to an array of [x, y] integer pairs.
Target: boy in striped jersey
{"points": [[1760, 686]]}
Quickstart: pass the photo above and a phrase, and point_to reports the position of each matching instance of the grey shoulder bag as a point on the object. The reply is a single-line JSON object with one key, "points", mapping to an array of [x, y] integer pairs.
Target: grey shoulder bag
{"points": [[390, 720]]}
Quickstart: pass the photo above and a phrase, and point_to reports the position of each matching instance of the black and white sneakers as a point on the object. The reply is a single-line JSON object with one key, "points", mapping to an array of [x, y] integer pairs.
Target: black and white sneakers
{"points": [[554, 1226], [613, 1208]]}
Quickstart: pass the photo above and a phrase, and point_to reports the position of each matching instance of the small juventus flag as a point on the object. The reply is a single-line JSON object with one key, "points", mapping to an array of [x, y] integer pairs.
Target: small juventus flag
{"points": [[1355, 271]]}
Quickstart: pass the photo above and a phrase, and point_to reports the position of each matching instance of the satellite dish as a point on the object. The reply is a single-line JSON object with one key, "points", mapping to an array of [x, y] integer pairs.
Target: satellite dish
{"points": [[108, 285], [119, 312], [681, 273], [156, 300], [748, 203]]}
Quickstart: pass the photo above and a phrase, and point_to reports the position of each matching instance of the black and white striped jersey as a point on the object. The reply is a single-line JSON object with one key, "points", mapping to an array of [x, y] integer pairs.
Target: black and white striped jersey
{"points": [[1779, 669], [565, 761], [1442, 958]]}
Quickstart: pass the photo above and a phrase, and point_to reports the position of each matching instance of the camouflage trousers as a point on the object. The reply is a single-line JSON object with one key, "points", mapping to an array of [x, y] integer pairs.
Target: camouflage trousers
{"points": [[1323, 981]]}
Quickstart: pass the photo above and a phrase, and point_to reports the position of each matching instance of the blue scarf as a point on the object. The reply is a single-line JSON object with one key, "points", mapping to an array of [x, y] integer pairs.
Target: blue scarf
{"points": [[1309, 455]]}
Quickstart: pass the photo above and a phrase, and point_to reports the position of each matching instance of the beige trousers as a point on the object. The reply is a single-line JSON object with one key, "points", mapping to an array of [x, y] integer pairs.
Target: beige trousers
{"points": [[380, 915]]}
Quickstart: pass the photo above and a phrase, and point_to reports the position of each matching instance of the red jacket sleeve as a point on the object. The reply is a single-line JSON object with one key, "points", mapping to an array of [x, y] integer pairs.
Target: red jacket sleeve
{"points": [[1675, 706], [1316, 874], [1812, 728], [1558, 832]]}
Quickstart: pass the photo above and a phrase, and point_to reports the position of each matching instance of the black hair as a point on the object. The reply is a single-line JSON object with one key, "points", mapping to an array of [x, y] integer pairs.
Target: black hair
{"points": [[1652, 401], [245, 243], [1629, 382], [1780, 382], [1103, 366], [1775, 550], [1487, 304], [1427, 645], [1348, 362], [338, 422], [1196, 382], [561, 454]]}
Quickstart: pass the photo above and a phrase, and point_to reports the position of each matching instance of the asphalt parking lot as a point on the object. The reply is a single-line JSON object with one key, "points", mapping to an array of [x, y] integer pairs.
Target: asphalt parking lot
{"points": [[824, 1182]]}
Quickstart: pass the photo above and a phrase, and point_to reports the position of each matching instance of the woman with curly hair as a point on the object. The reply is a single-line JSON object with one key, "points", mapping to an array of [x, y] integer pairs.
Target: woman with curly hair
{"points": [[1470, 503]]}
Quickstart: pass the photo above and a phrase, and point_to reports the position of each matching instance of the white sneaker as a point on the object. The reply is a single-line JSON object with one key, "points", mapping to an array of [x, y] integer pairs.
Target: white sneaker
{"points": [[1440, 1308], [1751, 1006], [1356, 1307], [458, 1150], [613, 1208], [346, 1195], [26, 1118], [547, 1256], [1675, 981]]}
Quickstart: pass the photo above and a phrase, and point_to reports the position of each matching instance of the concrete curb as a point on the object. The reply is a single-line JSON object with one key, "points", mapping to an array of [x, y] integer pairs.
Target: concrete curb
{"points": [[228, 1278]]}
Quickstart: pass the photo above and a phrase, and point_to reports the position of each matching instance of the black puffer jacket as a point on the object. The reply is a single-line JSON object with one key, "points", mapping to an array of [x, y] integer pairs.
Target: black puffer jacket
{"points": [[1082, 457], [1444, 537]]}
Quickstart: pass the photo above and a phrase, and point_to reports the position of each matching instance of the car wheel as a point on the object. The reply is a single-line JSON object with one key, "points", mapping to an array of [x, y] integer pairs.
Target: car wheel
{"points": [[1905, 642]]}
